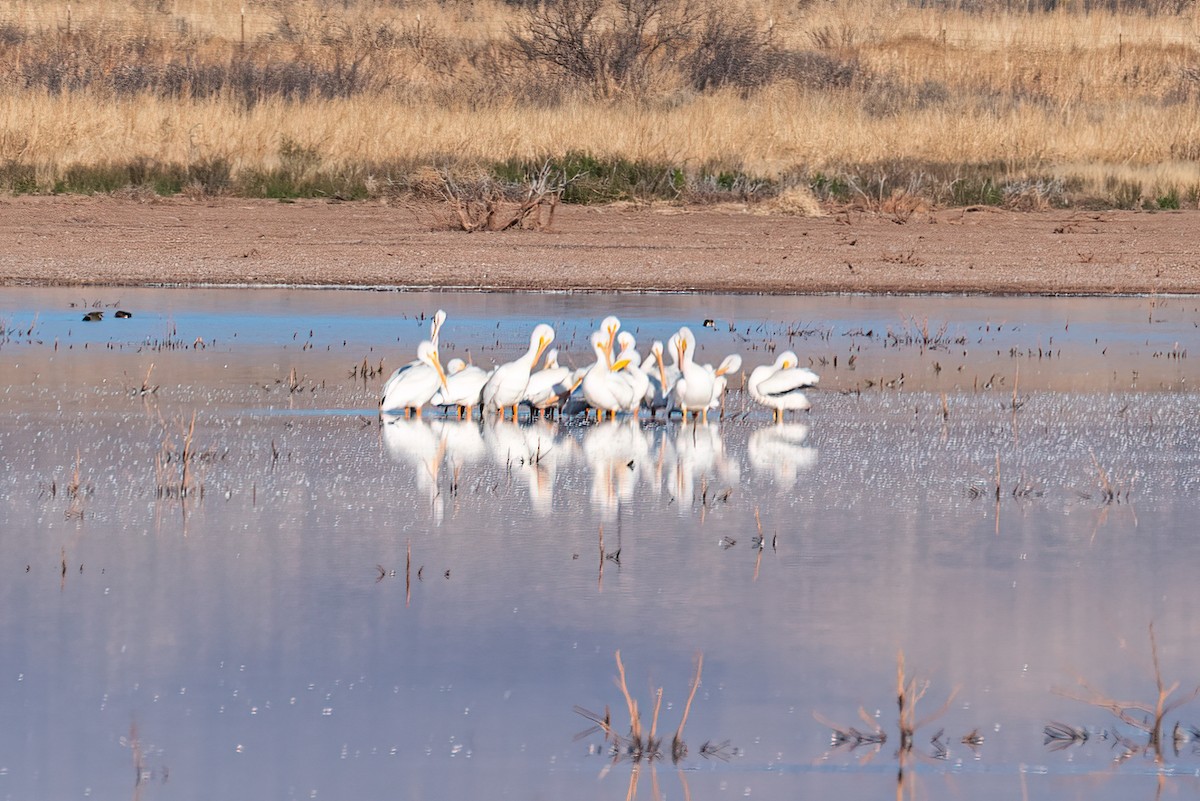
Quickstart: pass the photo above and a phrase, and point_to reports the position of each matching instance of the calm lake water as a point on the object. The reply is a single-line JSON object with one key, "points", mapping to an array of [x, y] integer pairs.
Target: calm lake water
{"points": [[1005, 490]]}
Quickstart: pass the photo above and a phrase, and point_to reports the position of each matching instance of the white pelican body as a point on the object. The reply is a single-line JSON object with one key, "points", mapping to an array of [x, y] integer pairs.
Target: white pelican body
{"points": [[632, 374], [694, 389], [603, 390], [549, 385], [779, 386], [464, 386], [507, 384], [730, 364], [412, 386], [658, 394]]}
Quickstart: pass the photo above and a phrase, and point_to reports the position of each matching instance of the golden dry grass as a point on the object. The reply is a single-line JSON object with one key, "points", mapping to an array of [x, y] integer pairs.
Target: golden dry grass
{"points": [[1100, 101]]}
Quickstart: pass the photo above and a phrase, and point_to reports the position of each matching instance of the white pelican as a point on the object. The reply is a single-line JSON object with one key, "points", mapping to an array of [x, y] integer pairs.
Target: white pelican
{"points": [[411, 387], [435, 325], [506, 387], [464, 387], [573, 403], [778, 386], [662, 380], [548, 385], [609, 326], [694, 389], [631, 373], [730, 364], [603, 390]]}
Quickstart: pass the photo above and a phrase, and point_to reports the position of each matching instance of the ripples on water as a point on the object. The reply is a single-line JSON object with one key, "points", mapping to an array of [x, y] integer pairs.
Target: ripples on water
{"points": [[342, 609]]}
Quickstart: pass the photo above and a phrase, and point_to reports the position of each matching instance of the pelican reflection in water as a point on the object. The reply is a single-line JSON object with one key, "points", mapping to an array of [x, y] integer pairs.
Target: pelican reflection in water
{"points": [[616, 452], [532, 452], [413, 442], [622, 462], [779, 450], [700, 456]]}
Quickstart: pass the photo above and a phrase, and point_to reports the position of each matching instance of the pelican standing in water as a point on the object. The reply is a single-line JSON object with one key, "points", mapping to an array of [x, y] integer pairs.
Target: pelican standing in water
{"points": [[779, 386], [602, 388], [632, 374], [658, 392], [548, 385], [411, 387], [435, 325], [464, 387], [730, 364], [694, 389], [508, 382], [609, 326]]}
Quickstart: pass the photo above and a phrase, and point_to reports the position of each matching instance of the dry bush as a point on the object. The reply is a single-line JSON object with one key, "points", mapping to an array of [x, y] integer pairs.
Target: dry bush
{"points": [[481, 203], [613, 47], [797, 201]]}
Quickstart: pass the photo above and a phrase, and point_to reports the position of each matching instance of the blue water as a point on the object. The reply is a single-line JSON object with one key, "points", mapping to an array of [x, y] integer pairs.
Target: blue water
{"points": [[340, 609]]}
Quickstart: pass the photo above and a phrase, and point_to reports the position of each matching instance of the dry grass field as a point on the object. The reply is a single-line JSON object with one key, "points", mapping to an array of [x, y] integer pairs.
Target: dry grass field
{"points": [[892, 107]]}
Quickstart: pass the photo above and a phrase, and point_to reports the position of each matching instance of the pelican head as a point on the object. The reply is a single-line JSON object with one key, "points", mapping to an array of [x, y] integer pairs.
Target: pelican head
{"points": [[427, 352], [731, 364], [551, 359], [673, 347], [541, 337], [610, 326], [455, 366], [435, 325], [685, 343], [656, 350]]}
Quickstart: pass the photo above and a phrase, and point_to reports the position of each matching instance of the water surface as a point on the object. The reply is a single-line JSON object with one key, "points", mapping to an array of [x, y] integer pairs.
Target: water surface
{"points": [[1003, 489]]}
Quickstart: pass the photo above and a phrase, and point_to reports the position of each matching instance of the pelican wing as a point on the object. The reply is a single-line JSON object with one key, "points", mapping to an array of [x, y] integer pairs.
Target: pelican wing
{"points": [[785, 381]]}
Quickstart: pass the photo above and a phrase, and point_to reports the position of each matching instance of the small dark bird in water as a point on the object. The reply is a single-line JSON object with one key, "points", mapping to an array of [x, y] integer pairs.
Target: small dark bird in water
{"points": [[122, 314], [710, 323], [93, 317]]}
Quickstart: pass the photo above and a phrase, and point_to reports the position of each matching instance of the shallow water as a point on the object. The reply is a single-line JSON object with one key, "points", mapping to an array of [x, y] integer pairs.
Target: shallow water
{"points": [[343, 610]]}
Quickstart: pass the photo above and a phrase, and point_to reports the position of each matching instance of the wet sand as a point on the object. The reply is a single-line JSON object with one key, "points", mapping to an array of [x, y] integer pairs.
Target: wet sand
{"points": [[122, 241]]}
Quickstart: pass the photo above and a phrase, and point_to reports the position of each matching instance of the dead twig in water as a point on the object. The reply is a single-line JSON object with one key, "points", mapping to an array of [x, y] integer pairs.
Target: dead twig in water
{"points": [[1148, 718]]}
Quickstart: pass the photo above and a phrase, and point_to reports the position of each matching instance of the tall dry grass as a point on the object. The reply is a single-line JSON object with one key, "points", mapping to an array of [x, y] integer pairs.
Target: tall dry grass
{"points": [[860, 99]]}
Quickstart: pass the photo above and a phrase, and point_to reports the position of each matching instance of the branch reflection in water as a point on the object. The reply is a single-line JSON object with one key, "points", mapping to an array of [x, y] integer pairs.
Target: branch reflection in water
{"points": [[690, 465]]}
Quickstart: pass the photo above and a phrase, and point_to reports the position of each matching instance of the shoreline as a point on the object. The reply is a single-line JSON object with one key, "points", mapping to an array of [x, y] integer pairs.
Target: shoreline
{"points": [[371, 246]]}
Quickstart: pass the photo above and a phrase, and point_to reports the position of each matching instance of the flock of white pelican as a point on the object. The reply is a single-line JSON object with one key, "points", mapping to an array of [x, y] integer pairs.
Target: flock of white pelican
{"points": [[619, 382]]}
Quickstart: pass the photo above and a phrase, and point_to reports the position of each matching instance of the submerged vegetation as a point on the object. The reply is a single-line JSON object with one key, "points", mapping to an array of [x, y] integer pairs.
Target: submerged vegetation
{"points": [[890, 108]]}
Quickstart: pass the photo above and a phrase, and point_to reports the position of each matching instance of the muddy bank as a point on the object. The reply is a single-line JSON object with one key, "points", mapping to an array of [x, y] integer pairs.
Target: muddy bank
{"points": [[104, 240]]}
